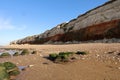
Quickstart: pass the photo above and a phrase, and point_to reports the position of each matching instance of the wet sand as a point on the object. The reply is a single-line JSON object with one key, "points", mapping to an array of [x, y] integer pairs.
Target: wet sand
{"points": [[102, 62]]}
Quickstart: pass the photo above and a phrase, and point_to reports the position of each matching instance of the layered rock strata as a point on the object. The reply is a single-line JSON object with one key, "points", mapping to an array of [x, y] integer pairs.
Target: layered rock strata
{"points": [[98, 23]]}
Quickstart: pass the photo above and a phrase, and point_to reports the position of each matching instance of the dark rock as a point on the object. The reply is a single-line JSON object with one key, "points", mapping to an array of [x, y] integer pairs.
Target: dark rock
{"points": [[118, 54]]}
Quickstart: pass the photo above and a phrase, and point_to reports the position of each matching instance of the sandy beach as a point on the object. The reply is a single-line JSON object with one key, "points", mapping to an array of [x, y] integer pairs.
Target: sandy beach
{"points": [[102, 62]]}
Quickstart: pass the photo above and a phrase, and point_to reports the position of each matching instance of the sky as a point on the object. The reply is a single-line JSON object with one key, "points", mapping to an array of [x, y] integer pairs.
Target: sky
{"points": [[22, 18]]}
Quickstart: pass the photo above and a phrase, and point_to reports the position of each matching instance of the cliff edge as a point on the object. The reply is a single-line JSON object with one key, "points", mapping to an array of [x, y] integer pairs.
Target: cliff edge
{"points": [[98, 23]]}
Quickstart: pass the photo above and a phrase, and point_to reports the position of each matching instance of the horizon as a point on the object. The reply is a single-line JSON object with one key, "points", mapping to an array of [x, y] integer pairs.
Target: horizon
{"points": [[22, 18]]}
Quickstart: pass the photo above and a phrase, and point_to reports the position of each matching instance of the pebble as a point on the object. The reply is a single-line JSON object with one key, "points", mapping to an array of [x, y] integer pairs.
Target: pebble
{"points": [[115, 62], [118, 59], [117, 51], [105, 52], [41, 55], [97, 55], [30, 65], [17, 63], [118, 54], [113, 57], [118, 67], [83, 58], [45, 63]]}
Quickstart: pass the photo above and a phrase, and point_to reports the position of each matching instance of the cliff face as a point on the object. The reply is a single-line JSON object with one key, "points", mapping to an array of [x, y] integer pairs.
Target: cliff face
{"points": [[101, 22]]}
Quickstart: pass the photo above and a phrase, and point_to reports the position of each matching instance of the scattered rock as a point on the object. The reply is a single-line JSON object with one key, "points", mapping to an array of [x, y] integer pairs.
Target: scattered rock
{"points": [[83, 58], [118, 54], [110, 52], [113, 57], [73, 58], [46, 63], [17, 63], [97, 55], [118, 67], [22, 68], [116, 63], [41, 55], [105, 52], [30, 65]]}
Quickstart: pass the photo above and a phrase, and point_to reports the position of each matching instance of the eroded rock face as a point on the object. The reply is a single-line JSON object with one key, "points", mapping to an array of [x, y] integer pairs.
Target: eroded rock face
{"points": [[101, 22]]}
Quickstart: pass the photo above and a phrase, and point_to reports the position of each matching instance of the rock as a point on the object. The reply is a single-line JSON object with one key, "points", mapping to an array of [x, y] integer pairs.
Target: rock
{"points": [[46, 63], [73, 58], [17, 63], [117, 51], [105, 52], [75, 42], [118, 59], [113, 57], [116, 63], [118, 67], [100, 24], [110, 52], [68, 42], [41, 55], [30, 65], [83, 58], [23, 68], [97, 55], [118, 54]]}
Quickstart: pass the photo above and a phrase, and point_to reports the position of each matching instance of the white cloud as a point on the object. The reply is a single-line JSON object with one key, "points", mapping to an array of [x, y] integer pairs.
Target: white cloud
{"points": [[6, 24]]}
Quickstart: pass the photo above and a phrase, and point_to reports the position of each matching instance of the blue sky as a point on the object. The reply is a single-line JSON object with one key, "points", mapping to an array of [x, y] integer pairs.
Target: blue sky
{"points": [[21, 18]]}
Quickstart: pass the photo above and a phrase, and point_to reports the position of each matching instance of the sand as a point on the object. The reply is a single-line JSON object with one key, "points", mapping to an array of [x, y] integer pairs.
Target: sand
{"points": [[102, 62]]}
